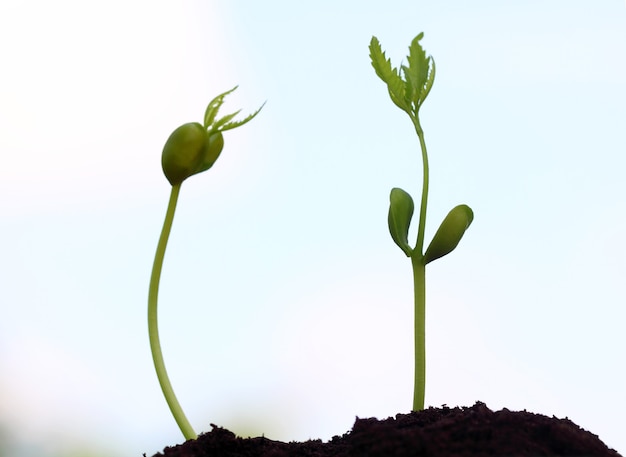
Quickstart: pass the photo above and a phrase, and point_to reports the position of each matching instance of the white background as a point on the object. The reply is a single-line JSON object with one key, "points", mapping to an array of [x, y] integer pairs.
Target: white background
{"points": [[285, 307]]}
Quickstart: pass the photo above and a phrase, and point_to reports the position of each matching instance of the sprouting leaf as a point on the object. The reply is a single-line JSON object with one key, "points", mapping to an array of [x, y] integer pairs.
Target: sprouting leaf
{"points": [[429, 81], [417, 71], [418, 74], [409, 86], [389, 74], [235, 124], [400, 213], [449, 232], [217, 125], [214, 106]]}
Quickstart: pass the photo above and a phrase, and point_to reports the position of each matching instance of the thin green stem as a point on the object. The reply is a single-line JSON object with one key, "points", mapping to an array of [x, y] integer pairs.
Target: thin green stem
{"points": [[153, 328], [419, 246], [419, 282]]}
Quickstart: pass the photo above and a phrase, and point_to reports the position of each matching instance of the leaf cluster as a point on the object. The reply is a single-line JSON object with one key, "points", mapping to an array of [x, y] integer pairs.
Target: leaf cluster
{"points": [[226, 122], [410, 85]]}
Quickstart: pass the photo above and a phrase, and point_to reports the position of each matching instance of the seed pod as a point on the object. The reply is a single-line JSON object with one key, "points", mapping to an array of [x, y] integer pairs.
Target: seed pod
{"points": [[182, 153], [399, 219], [449, 233], [212, 150], [189, 150]]}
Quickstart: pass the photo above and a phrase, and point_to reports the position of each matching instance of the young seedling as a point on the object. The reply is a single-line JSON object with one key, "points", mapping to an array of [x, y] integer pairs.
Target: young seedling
{"points": [[191, 149], [408, 88]]}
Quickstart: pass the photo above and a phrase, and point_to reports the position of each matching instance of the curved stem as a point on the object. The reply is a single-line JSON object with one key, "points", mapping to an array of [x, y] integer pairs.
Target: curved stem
{"points": [[153, 329], [419, 246]]}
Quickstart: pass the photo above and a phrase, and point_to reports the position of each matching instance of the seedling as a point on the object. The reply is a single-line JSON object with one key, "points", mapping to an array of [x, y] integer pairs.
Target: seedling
{"points": [[191, 149], [408, 88]]}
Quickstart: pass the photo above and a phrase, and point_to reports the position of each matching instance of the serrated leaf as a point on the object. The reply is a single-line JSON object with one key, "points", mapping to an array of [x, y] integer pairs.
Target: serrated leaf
{"points": [[216, 126], [419, 74], [389, 75], [214, 106], [399, 219], [418, 66], [429, 81], [235, 124], [381, 64]]}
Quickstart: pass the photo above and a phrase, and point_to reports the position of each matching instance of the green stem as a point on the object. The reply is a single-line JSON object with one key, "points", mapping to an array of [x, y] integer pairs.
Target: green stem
{"points": [[419, 282], [419, 246], [153, 328]]}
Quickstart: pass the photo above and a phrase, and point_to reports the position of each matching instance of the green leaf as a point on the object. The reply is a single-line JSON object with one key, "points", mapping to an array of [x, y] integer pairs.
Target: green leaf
{"points": [[417, 71], [449, 233], [400, 213], [390, 75], [217, 125], [429, 81], [235, 124], [418, 74], [214, 106], [409, 86]]}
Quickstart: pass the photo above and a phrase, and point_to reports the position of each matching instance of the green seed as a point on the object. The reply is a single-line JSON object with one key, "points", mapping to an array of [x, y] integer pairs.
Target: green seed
{"points": [[212, 149], [183, 151]]}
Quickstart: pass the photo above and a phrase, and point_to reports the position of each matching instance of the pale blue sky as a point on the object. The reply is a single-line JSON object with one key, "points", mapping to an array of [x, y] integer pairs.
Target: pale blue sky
{"points": [[286, 308]]}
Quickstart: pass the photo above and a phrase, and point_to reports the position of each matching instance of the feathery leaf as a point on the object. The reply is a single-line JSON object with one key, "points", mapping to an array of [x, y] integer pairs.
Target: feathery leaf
{"points": [[389, 74], [214, 106]]}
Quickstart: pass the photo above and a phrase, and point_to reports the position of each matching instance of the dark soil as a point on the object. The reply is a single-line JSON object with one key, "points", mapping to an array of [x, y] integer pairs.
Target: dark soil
{"points": [[473, 431]]}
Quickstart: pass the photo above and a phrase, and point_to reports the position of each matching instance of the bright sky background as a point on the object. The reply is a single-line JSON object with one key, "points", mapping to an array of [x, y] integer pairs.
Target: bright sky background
{"points": [[286, 308]]}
